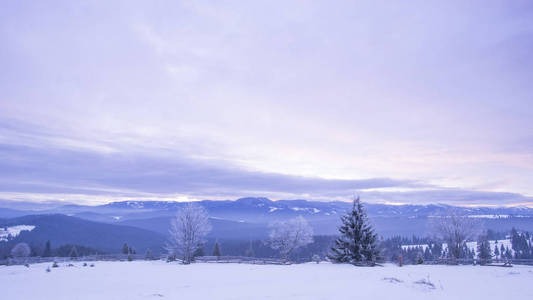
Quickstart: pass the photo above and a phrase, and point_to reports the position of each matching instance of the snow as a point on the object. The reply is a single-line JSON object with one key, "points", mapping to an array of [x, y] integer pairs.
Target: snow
{"points": [[272, 209], [489, 216], [160, 280], [13, 231], [308, 209]]}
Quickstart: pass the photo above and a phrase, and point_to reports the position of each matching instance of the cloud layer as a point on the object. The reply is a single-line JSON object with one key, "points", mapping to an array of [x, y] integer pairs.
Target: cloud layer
{"points": [[411, 101]]}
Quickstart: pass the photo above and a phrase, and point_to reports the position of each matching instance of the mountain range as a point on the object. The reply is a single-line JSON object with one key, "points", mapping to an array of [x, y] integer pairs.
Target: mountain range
{"points": [[145, 224]]}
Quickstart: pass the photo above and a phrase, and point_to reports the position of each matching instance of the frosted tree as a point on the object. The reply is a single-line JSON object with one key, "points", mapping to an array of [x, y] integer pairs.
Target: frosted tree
{"points": [[358, 241], [187, 231], [21, 250], [455, 230], [290, 235]]}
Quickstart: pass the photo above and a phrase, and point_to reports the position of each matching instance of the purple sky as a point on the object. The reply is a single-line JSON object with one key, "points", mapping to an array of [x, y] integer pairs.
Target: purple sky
{"points": [[398, 101]]}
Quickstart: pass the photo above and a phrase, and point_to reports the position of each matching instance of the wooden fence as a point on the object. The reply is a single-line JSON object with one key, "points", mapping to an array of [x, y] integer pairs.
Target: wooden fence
{"points": [[235, 259], [470, 261], [133, 257], [103, 257], [240, 260]]}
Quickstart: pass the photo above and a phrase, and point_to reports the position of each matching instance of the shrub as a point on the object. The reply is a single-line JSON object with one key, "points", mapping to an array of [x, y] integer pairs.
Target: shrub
{"points": [[316, 258]]}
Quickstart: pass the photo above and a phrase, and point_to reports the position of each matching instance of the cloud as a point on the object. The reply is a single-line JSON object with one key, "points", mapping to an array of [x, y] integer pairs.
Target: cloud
{"points": [[452, 196], [57, 170], [233, 98]]}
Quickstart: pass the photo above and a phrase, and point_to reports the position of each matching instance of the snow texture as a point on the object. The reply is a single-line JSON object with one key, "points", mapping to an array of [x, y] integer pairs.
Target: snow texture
{"points": [[160, 280]]}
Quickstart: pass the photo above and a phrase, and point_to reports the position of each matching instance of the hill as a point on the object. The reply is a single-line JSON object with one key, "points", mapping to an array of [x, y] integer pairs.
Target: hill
{"points": [[61, 229]]}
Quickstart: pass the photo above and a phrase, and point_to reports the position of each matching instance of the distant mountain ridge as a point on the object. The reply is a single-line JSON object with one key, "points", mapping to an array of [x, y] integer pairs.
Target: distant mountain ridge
{"points": [[249, 217]]}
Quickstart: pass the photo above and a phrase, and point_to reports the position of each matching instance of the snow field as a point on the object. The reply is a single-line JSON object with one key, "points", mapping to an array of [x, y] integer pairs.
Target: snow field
{"points": [[160, 280]]}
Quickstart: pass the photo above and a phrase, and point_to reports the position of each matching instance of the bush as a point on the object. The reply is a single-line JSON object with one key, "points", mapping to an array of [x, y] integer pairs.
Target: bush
{"points": [[316, 258], [419, 260], [55, 265]]}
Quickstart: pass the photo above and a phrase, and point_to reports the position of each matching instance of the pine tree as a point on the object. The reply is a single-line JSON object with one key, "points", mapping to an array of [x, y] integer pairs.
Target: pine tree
{"points": [[496, 251], [73, 252], [125, 249], [216, 250], [250, 251], [508, 253], [357, 243], [47, 249], [483, 249], [149, 255]]}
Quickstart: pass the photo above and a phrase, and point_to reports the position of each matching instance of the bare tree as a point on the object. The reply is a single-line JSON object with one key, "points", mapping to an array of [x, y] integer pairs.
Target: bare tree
{"points": [[187, 231], [455, 230], [21, 250], [289, 235]]}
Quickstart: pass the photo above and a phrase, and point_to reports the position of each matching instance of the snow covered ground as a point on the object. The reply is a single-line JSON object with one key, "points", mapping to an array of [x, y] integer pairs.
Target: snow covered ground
{"points": [[160, 280]]}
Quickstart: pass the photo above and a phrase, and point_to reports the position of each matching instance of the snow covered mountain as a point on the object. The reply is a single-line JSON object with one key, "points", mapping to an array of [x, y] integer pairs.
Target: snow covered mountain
{"points": [[253, 214]]}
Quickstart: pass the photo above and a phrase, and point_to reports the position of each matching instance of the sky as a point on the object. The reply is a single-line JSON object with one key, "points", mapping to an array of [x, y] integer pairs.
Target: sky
{"points": [[403, 102]]}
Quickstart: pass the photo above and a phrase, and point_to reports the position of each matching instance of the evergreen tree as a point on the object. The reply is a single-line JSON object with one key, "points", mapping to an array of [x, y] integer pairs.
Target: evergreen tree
{"points": [[73, 252], [216, 250], [496, 251], [483, 249], [47, 249], [502, 250], [250, 251], [508, 253], [357, 243], [125, 249], [149, 255]]}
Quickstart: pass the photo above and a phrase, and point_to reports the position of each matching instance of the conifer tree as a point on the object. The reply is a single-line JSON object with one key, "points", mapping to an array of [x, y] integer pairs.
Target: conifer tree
{"points": [[496, 251], [149, 255], [483, 249], [47, 249], [216, 250], [125, 249], [73, 252], [357, 243], [250, 251]]}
